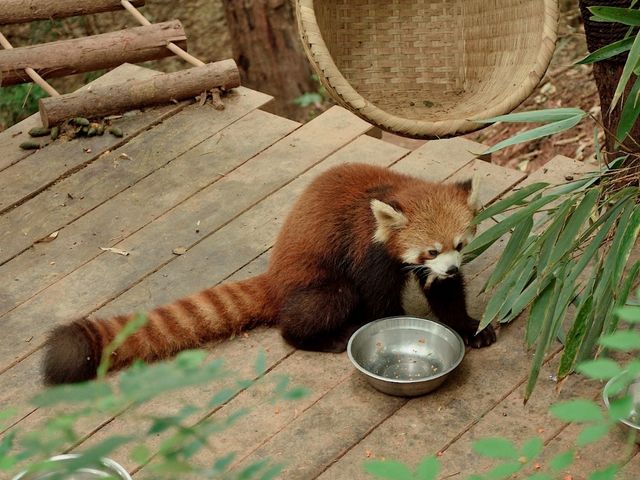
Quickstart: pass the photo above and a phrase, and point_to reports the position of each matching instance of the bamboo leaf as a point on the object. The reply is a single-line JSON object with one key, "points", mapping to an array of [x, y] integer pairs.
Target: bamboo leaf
{"points": [[608, 51], [561, 460], [532, 448], [539, 132], [538, 314], [550, 235], [517, 291], [545, 336], [630, 111], [629, 66], [577, 220], [511, 253], [626, 16], [545, 115], [492, 234], [515, 198], [622, 298]]}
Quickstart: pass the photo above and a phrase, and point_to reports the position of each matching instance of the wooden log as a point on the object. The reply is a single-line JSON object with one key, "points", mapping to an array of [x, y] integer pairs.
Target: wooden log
{"points": [[66, 57], [21, 11], [101, 101]]}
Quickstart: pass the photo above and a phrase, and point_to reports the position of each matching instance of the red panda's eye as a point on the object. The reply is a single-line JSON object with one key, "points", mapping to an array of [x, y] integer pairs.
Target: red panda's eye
{"points": [[459, 246], [433, 253]]}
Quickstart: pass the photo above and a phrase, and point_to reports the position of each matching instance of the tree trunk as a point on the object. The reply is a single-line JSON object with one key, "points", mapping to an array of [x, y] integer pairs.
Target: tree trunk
{"points": [[266, 47], [607, 73]]}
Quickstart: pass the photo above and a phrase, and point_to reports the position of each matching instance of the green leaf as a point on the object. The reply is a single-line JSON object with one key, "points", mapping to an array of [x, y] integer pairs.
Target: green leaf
{"points": [[550, 236], [75, 393], [623, 296], [95, 453], [261, 363], [561, 460], [508, 310], [140, 454], [629, 66], [608, 473], [540, 476], [492, 234], [388, 469], [504, 471], [496, 447], [629, 313], [309, 98], [578, 411], [511, 252], [630, 111], [620, 408], [253, 469], [608, 51], [626, 16], [575, 336], [545, 115], [599, 369], [622, 340], [222, 463], [539, 132], [272, 472], [532, 448], [514, 199], [222, 397], [592, 433], [428, 469], [295, 393]]}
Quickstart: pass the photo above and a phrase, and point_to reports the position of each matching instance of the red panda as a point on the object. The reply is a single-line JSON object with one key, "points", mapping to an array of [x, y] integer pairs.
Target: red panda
{"points": [[340, 260]]}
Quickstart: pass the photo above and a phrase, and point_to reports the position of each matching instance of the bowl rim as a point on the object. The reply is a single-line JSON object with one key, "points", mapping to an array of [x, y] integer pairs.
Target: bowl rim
{"points": [[395, 380], [605, 398]]}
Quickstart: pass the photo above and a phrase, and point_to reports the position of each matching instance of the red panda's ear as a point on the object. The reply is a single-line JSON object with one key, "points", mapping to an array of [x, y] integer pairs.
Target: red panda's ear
{"points": [[472, 188], [387, 219]]}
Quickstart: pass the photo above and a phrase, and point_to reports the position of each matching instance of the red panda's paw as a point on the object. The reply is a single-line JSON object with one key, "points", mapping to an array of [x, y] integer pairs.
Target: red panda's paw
{"points": [[482, 339]]}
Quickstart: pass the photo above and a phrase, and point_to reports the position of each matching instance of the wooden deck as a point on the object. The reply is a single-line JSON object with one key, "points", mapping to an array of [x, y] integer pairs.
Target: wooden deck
{"points": [[233, 174]]}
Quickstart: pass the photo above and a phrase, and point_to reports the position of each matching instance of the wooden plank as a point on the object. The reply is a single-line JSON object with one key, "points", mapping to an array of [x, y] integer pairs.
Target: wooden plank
{"points": [[178, 278], [130, 210], [251, 234], [26, 179], [95, 283], [444, 156], [485, 378], [110, 174], [515, 421], [631, 471], [13, 136]]}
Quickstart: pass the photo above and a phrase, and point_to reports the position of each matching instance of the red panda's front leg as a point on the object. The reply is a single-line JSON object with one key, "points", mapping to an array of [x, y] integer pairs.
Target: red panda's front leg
{"points": [[446, 297]]}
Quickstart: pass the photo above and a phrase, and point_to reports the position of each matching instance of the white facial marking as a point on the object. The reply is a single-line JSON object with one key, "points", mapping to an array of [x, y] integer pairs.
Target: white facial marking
{"points": [[411, 255], [438, 246], [443, 262]]}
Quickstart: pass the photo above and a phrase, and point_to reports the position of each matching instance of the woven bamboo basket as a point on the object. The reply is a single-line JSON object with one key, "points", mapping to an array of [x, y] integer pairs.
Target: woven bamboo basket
{"points": [[428, 68]]}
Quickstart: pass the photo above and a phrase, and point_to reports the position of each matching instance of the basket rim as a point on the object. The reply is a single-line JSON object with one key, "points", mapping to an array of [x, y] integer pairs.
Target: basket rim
{"points": [[346, 95]]}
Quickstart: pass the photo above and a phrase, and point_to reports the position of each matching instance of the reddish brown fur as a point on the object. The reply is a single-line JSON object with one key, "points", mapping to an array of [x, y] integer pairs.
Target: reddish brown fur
{"points": [[325, 270]]}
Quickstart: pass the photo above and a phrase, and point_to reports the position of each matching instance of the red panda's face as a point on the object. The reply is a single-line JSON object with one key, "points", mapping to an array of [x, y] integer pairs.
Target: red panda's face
{"points": [[428, 227]]}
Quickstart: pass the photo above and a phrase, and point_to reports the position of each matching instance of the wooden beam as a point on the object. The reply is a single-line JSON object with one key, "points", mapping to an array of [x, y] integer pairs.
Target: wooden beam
{"points": [[66, 57], [22, 11], [120, 98]]}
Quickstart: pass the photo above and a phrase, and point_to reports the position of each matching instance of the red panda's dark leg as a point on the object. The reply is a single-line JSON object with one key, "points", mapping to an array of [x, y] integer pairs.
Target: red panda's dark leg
{"points": [[319, 318], [446, 297]]}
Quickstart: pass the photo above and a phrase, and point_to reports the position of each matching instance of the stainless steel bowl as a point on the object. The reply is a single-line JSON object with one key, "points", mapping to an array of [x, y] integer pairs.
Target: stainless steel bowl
{"points": [[104, 468], [633, 389], [405, 356]]}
